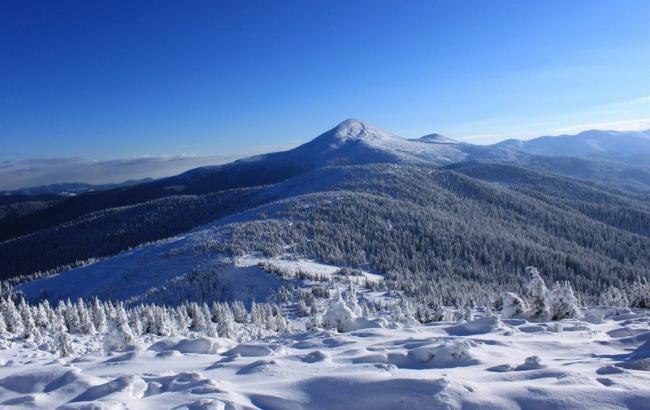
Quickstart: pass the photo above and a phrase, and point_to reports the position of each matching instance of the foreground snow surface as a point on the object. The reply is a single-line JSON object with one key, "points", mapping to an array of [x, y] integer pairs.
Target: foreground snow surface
{"points": [[487, 363]]}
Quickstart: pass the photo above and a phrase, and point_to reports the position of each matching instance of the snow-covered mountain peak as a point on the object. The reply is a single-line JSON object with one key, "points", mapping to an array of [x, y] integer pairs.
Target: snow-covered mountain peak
{"points": [[358, 142], [353, 129]]}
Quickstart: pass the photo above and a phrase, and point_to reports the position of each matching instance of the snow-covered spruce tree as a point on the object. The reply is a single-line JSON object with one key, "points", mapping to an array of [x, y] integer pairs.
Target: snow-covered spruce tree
{"points": [[99, 316], [563, 303], [210, 329], [614, 297], [86, 325], [513, 305], [135, 323], [53, 316], [183, 320], [110, 309], [281, 324], [239, 312], [304, 310], [71, 316], [226, 324], [225, 321], [119, 335], [161, 322], [12, 318], [24, 311], [30, 331], [198, 321], [42, 318], [215, 312], [63, 341], [467, 314], [149, 325], [257, 314], [353, 302], [338, 316], [639, 294], [3, 326], [538, 293]]}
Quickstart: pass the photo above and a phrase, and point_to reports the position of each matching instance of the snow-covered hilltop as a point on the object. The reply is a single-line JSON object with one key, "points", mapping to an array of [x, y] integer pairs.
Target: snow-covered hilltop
{"points": [[357, 142]]}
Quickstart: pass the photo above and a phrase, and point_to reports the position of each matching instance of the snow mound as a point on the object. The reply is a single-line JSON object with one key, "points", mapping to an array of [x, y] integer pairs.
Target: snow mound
{"points": [[315, 356], [425, 355], [96, 405], [122, 358], [448, 354], [531, 363], [476, 327], [259, 366], [202, 404], [45, 381], [609, 369], [380, 394], [31, 382], [192, 382], [254, 350], [124, 387], [200, 345]]}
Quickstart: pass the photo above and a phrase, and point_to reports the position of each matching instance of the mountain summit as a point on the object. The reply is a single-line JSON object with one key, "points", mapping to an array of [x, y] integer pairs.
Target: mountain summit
{"points": [[357, 142], [353, 129]]}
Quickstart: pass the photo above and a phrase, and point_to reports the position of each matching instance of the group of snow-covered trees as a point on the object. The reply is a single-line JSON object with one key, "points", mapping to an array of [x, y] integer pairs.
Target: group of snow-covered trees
{"points": [[560, 302], [544, 304], [119, 326], [443, 243], [327, 305]]}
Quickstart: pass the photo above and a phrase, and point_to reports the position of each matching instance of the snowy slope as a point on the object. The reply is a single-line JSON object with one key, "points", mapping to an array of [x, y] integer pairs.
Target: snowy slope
{"points": [[486, 364], [352, 142]]}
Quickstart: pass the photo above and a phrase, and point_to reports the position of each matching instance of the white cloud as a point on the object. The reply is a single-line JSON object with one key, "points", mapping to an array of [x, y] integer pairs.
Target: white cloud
{"points": [[638, 100]]}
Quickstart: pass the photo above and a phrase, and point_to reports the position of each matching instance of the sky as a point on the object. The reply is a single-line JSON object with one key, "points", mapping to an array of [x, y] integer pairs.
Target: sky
{"points": [[107, 80]]}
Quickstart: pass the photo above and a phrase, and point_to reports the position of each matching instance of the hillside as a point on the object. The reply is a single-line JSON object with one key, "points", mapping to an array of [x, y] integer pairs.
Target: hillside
{"points": [[410, 223], [352, 142]]}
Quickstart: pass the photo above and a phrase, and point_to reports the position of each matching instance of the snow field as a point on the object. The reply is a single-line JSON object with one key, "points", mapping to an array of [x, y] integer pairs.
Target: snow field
{"points": [[485, 363]]}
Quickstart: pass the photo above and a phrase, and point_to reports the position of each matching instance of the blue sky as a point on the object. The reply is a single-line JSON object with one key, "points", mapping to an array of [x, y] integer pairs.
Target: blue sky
{"points": [[117, 79]]}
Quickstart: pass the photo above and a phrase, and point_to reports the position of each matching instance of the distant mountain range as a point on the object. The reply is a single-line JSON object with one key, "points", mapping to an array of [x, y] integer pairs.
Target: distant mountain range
{"points": [[629, 147], [352, 142], [502, 206], [70, 188]]}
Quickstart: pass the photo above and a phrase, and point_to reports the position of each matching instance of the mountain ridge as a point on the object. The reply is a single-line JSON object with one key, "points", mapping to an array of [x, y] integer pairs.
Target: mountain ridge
{"points": [[351, 142], [628, 147]]}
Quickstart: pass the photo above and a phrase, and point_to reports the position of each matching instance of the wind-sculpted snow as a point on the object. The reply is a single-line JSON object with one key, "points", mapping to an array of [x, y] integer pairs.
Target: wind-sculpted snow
{"points": [[486, 363]]}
